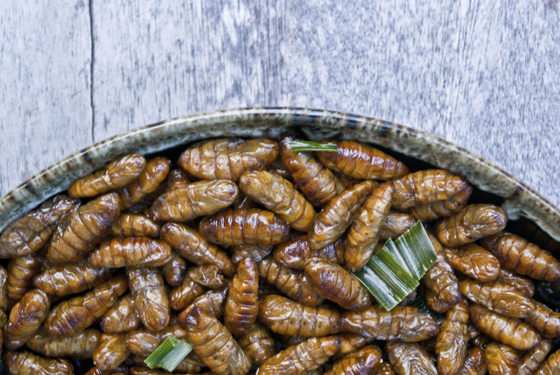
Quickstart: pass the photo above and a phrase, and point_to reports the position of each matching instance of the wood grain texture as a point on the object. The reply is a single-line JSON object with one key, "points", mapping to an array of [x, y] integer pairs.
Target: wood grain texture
{"points": [[45, 111], [481, 74]]}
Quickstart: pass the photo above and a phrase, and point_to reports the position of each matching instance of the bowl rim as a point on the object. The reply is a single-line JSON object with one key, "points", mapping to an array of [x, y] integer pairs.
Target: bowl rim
{"points": [[520, 199]]}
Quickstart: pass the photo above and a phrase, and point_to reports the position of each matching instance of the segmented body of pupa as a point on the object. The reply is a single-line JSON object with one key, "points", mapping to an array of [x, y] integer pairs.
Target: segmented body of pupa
{"points": [[148, 288], [451, 346], [403, 323], [116, 174], [122, 316], [545, 321], [426, 186], [83, 229], [257, 343], [290, 318], [293, 254], [78, 313], [360, 362], [531, 360], [30, 232], [364, 232], [21, 271], [130, 251], [197, 199], [26, 363], [409, 358], [472, 223], [338, 215], [475, 262], [317, 183], [279, 196], [228, 158], [444, 208], [501, 359], [242, 304], [79, 346], [362, 161], [215, 345], [135, 225], [525, 258], [148, 181]]}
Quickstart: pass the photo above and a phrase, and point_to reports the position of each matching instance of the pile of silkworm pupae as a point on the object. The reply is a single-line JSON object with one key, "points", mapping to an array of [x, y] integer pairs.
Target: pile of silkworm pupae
{"points": [[245, 248]]}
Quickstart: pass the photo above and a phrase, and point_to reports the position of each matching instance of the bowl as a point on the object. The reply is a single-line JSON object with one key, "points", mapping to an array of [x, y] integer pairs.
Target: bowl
{"points": [[520, 201], [416, 149]]}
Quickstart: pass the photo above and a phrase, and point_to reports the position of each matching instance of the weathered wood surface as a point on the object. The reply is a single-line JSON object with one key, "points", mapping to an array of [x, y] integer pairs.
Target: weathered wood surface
{"points": [[482, 74]]}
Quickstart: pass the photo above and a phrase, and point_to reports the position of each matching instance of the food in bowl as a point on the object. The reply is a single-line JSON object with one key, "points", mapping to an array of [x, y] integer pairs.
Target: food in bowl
{"points": [[250, 243]]}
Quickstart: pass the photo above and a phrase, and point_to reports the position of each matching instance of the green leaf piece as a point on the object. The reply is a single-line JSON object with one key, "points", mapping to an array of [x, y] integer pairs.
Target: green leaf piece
{"points": [[395, 271], [169, 354], [313, 146]]}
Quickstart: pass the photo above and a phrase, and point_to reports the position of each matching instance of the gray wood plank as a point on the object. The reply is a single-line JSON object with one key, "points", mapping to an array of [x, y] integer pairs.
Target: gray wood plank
{"points": [[45, 106], [158, 59], [483, 75]]}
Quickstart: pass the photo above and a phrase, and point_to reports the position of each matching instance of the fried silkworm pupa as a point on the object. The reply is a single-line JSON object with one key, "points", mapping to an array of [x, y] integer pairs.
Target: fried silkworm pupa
{"points": [[215, 345], [191, 245], [3, 289], [111, 351], [279, 196], [115, 175], [212, 302], [147, 182], [395, 225], [184, 294], [441, 284], [84, 228], [244, 227], [337, 215], [385, 369], [333, 282], [26, 363], [135, 225], [523, 284], [501, 359], [361, 161], [403, 323], [301, 358], [482, 341], [21, 271], [525, 258], [475, 363], [545, 321], [130, 251], [197, 199], [550, 366], [76, 314], [510, 331], [451, 346], [534, 357], [426, 186], [143, 342], [175, 270], [472, 331], [257, 343], [364, 232], [208, 276], [293, 254], [121, 317], [360, 362], [228, 158], [258, 253], [409, 358], [71, 278], [80, 346], [148, 288], [176, 179], [3, 319], [317, 183], [472, 223], [435, 210], [31, 232], [475, 262], [501, 298], [350, 342], [242, 305], [25, 318], [290, 318], [292, 283]]}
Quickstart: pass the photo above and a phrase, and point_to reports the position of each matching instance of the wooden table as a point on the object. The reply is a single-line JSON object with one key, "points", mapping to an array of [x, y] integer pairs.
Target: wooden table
{"points": [[482, 74]]}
